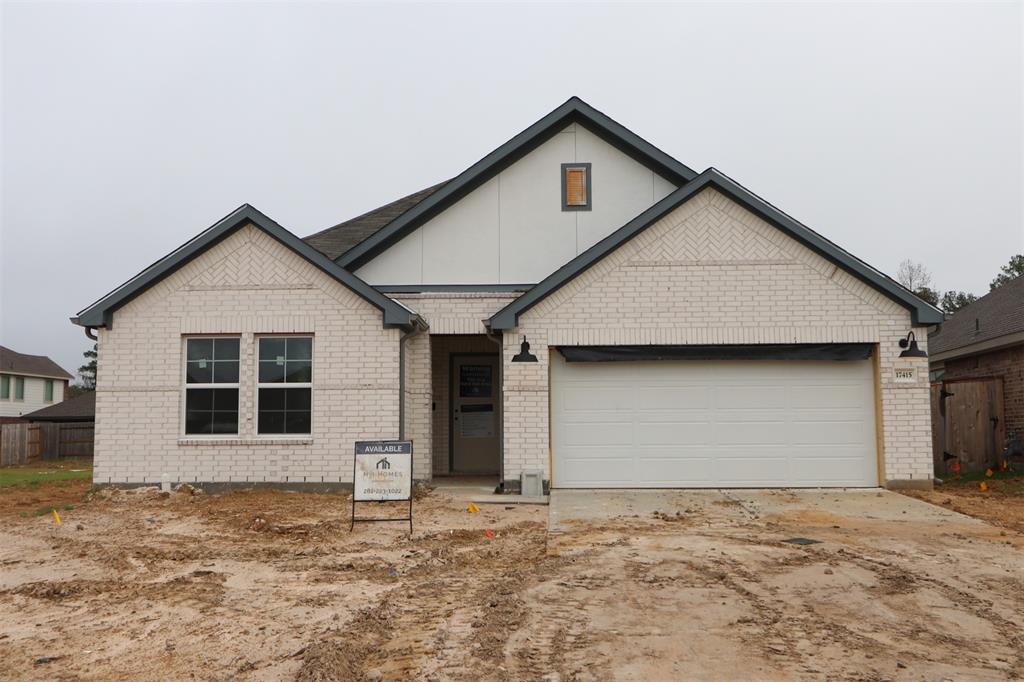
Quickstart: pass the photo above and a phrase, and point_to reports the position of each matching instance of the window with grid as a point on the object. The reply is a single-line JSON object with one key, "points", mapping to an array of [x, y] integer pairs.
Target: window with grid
{"points": [[575, 186], [285, 385], [19, 388], [211, 386], [48, 391]]}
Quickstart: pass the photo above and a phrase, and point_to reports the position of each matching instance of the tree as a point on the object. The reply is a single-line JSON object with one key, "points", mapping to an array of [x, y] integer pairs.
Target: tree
{"points": [[928, 295], [916, 277], [1010, 271], [913, 275], [953, 301], [87, 372]]}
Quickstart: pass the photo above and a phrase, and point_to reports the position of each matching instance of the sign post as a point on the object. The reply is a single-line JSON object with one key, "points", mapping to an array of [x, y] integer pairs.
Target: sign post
{"points": [[382, 472]]}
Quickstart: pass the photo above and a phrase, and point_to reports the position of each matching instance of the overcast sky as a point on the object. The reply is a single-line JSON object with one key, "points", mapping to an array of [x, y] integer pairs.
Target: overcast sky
{"points": [[893, 130]]}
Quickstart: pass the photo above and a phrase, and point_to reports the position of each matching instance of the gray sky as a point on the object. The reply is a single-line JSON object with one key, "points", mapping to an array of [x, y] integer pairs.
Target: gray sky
{"points": [[894, 130]]}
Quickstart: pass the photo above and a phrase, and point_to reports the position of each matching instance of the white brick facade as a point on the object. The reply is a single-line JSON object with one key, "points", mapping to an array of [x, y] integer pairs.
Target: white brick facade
{"points": [[711, 272], [708, 273], [246, 285]]}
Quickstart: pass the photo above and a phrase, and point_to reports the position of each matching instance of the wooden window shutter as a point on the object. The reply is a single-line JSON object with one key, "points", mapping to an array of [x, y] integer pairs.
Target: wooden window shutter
{"points": [[575, 186]]}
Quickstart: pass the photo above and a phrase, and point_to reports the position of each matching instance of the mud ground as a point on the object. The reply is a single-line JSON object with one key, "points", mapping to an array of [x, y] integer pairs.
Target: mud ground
{"points": [[271, 586]]}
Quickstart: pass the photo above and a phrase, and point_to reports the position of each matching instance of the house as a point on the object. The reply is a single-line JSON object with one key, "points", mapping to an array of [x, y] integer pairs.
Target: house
{"points": [[977, 370], [29, 383], [66, 429], [577, 303], [80, 409]]}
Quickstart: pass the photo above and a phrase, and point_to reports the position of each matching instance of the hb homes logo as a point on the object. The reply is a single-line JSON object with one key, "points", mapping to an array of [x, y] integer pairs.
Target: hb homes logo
{"points": [[383, 463]]}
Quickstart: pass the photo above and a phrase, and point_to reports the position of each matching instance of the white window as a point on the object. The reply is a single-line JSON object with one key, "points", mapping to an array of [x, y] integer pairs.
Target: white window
{"points": [[211, 386], [284, 400]]}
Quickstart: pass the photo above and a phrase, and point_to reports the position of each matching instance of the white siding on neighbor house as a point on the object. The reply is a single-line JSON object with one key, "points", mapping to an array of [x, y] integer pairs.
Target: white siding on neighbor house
{"points": [[512, 229], [35, 394]]}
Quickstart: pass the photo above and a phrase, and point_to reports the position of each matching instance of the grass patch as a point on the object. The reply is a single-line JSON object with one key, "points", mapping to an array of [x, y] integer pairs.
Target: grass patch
{"points": [[1005, 482], [48, 509], [37, 473]]}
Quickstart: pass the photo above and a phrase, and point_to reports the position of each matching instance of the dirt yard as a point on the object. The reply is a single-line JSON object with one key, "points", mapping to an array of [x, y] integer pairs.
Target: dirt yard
{"points": [[271, 585]]}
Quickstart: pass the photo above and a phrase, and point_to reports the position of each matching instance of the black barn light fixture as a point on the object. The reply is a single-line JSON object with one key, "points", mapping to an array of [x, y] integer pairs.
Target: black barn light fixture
{"points": [[910, 344], [524, 353]]}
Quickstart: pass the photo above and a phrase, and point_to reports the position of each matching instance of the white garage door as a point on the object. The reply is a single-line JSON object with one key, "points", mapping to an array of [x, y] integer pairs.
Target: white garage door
{"points": [[738, 423]]}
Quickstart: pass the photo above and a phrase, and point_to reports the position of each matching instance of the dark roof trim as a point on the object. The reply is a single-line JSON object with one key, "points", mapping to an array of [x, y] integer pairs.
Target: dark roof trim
{"points": [[100, 313], [574, 110], [921, 312]]}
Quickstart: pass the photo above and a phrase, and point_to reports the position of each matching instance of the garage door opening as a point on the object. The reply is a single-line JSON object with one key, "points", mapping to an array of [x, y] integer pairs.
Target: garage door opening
{"points": [[713, 423]]}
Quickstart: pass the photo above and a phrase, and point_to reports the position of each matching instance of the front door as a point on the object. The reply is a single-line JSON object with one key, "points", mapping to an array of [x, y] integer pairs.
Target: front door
{"points": [[476, 418]]}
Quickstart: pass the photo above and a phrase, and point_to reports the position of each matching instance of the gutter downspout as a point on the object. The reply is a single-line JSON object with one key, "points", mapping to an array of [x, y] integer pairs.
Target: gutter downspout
{"points": [[418, 328], [499, 340], [91, 333]]}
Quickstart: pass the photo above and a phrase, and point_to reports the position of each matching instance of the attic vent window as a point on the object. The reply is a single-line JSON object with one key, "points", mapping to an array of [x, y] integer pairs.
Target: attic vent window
{"points": [[576, 185]]}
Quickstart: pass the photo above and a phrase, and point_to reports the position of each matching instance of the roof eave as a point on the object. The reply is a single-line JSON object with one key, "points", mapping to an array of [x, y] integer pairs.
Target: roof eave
{"points": [[100, 314], [573, 110], [921, 312]]}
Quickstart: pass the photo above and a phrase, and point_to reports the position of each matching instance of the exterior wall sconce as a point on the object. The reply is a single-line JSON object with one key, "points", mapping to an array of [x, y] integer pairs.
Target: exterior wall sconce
{"points": [[524, 354], [912, 351]]}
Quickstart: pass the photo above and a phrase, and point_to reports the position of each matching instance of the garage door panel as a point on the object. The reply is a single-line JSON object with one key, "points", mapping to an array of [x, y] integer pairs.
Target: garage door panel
{"points": [[585, 397], [834, 469], [656, 433], [713, 424], [657, 397], [836, 396], [764, 469], [751, 433], [599, 434], [750, 396], [828, 432], [600, 472]]}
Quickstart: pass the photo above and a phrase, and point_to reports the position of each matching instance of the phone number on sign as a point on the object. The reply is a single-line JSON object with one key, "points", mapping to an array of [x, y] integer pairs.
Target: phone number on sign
{"points": [[383, 491]]}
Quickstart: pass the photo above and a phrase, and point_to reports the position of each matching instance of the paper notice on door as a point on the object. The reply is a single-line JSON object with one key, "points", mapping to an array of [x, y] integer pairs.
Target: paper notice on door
{"points": [[477, 421]]}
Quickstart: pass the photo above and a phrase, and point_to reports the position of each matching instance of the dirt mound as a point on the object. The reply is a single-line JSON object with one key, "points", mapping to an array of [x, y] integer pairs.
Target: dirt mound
{"points": [[329, 661]]}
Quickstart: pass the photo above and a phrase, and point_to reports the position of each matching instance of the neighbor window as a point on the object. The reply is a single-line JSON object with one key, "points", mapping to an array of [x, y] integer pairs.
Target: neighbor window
{"points": [[211, 386], [19, 388], [48, 391], [5, 388], [575, 186], [285, 385]]}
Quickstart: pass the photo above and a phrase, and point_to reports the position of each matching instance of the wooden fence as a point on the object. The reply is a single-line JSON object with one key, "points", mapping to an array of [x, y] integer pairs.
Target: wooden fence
{"points": [[23, 443], [967, 423]]}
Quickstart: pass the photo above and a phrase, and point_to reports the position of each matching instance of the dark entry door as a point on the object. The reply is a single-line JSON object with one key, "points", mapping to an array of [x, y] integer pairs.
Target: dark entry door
{"points": [[476, 417]]}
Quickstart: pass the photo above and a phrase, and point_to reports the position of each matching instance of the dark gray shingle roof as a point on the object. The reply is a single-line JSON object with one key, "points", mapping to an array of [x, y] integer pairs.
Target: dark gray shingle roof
{"points": [[12, 362], [336, 240], [81, 408], [998, 313]]}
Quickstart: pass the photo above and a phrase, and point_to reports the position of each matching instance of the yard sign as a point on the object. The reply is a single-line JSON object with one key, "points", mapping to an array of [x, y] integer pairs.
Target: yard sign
{"points": [[382, 472]]}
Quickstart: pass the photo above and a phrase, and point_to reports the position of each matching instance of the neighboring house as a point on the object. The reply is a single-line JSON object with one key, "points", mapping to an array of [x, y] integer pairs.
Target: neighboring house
{"points": [[81, 408], [977, 356], [682, 332], [29, 382]]}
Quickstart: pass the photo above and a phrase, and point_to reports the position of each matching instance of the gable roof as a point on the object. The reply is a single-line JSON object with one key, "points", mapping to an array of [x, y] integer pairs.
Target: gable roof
{"points": [[334, 241], [574, 110], [921, 312], [100, 313], [13, 362], [998, 313], [81, 408]]}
